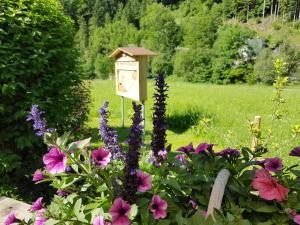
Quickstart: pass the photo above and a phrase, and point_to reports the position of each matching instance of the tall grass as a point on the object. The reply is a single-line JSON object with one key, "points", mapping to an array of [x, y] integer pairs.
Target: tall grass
{"points": [[208, 113]]}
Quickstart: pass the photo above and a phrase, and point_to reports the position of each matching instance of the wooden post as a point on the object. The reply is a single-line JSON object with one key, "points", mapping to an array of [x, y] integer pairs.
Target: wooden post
{"points": [[257, 123], [122, 109], [217, 193]]}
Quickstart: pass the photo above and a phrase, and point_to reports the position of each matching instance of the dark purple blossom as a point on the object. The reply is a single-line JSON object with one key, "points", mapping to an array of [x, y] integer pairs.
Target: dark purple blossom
{"points": [[135, 142], [186, 149], [229, 153], [204, 146], [108, 135], [39, 123], [273, 164], [295, 152], [181, 158], [159, 113]]}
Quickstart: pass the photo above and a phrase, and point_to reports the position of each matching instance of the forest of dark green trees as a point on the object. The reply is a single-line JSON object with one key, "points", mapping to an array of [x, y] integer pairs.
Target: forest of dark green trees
{"points": [[198, 40]]}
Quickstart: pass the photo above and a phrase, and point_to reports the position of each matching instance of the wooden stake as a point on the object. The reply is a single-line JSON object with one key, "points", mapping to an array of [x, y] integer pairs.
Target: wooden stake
{"points": [[257, 123], [217, 193]]}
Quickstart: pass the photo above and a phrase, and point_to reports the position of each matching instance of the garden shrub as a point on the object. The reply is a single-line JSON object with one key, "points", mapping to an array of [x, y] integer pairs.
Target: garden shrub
{"points": [[160, 33], [193, 65], [228, 65], [264, 67], [38, 64], [121, 185]]}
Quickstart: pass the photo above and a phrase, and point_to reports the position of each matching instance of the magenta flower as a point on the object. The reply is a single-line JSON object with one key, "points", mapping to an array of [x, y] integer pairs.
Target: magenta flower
{"points": [[37, 176], [181, 158], [55, 161], [99, 220], [62, 193], [37, 205], [144, 181], [229, 153], [101, 157], [203, 146], [297, 219], [119, 212], [10, 219], [40, 219], [268, 186], [163, 154], [273, 164], [158, 207], [186, 149], [295, 152], [193, 203]]}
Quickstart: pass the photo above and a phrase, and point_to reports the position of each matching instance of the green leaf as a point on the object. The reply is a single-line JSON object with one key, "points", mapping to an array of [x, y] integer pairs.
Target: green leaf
{"points": [[77, 207], [62, 140], [51, 222], [133, 211]]}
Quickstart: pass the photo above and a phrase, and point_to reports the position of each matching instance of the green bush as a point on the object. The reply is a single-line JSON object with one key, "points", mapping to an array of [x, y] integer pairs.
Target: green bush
{"points": [[103, 41], [193, 65], [160, 33], [264, 67], [38, 64], [229, 64]]}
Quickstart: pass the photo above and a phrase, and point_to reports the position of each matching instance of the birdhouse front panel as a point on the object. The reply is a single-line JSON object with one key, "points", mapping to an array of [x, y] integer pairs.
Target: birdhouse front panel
{"points": [[127, 77], [131, 72]]}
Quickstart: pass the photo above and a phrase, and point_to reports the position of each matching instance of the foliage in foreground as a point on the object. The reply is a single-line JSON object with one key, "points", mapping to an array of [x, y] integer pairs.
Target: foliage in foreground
{"points": [[120, 186], [38, 64]]}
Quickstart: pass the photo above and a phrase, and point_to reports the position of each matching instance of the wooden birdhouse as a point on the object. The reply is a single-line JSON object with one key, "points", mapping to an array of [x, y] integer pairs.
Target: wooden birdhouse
{"points": [[131, 66]]}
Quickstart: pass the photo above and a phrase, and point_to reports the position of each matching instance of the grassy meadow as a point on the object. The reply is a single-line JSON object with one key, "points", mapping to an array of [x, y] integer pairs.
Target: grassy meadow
{"points": [[207, 113]]}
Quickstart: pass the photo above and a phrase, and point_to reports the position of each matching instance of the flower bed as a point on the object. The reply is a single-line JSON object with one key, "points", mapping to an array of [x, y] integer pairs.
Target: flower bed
{"points": [[123, 184]]}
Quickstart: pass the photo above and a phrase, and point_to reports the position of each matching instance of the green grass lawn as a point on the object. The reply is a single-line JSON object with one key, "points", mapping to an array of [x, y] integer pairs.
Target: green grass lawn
{"points": [[227, 108]]}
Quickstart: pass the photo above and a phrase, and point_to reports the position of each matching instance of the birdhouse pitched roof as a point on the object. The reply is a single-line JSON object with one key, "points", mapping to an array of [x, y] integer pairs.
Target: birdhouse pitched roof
{"points": [[133, 51]]}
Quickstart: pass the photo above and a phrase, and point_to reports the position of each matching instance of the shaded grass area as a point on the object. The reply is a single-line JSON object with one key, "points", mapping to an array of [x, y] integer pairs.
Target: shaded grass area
{"points": [[207, 113]]}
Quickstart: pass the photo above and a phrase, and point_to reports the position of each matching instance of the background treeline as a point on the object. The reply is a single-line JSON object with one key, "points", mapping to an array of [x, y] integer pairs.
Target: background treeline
{"points": [[201, 41]]}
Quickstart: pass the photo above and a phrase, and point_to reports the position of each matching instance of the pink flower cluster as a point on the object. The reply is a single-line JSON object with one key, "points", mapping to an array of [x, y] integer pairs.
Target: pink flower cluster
{"points": [[268, 186], [120, 211]]}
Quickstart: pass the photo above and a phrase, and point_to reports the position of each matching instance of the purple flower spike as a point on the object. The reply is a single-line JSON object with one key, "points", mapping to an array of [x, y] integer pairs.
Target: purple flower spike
{"points": [[273, 164], [186, 149], [39, 123], [135, 142], [228, 152], [295, 152], [108, 135], [203, 146]]}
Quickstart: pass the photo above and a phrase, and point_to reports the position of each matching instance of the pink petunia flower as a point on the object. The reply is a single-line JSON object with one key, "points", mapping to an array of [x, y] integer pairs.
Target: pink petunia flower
{"points": [[273, 164], [268, 187], [181, 158], [158, 207], [55, 161], [37, 205], [186, 149], [144, 181], [297, 219], [119, 212], [193, 203], [62, 193], [204, 213], [38, 175], [99, 220], [101, 157], [202, 147], [40, 219], [10, 219]]}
